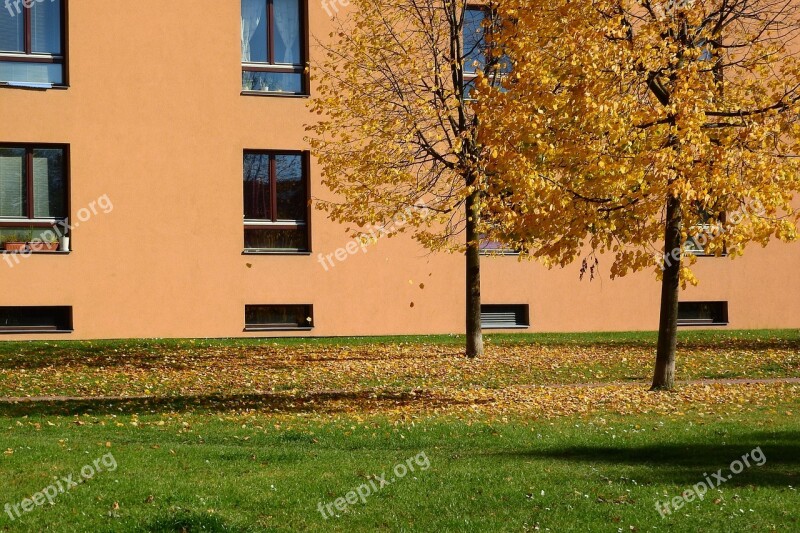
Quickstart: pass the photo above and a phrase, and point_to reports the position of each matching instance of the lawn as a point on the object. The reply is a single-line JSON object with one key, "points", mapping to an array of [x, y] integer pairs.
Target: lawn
{"points": [[546, 433]]}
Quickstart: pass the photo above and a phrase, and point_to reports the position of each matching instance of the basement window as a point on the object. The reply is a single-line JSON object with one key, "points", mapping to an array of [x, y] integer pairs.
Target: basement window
{"points": [[35, 319], [506, 316], [278, 317], [703, 314]]}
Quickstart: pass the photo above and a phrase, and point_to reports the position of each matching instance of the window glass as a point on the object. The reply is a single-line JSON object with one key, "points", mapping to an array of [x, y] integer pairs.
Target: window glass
{"points": [[287, 31], [49, 184], [291, 187], [276, 239], [13, 182], [32, 32], [272, 46], [257, 198], [275, 212], [46, 27], [294, 316], [254, 31], [12, 32], [473, 39], [274, 82], [36, 318], [20, 72]]}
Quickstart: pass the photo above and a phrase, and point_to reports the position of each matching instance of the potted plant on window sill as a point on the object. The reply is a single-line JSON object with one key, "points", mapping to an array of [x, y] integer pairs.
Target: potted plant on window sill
{"points": [[21, 243]]}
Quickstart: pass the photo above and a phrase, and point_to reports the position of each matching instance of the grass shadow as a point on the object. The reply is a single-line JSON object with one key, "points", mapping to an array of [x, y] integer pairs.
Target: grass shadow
{"points": [[687, 464], [332, 401]]}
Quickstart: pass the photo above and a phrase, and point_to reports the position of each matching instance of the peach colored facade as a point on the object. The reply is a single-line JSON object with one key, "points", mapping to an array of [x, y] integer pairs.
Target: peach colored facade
{"points": [[155, 119]]}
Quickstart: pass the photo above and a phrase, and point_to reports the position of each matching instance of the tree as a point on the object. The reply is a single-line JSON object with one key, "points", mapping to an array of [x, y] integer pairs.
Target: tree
{"points": [[646, 121], [397, 128]]}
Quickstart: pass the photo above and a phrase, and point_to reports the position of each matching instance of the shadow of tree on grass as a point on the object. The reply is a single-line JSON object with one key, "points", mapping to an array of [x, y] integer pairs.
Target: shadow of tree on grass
{"points": [[330, 401], [690, 463]]}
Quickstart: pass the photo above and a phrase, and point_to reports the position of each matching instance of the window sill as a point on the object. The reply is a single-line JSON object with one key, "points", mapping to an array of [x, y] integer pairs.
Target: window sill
{"points": [[31, 87], [33, 252], [498, 326], [275, 328], [700, 324], [35, 331], [275, 252], [277, 94], [487, 253]]}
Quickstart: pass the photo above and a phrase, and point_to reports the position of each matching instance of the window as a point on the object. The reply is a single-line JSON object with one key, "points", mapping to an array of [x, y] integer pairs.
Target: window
{"points": [[712, 228], [703, 313], [490, 247], [33, 192], [32, 43], [35, 319], [474, 42], [478, 22], [474, 46], [278, 317], [510, 316], [276, 200], [273, 46]]}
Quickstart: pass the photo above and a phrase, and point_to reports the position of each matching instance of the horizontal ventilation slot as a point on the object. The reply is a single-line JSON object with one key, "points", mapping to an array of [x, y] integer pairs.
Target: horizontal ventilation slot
{"points": [[504, 316]]}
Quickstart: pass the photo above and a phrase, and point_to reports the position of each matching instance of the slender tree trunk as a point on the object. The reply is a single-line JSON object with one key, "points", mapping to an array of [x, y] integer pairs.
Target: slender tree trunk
{"points": [[664, 376], [473, 260]]}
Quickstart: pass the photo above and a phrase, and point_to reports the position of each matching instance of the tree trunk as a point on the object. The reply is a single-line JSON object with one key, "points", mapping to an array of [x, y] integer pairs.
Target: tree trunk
{"points": [[473, 259], [664, 376]]}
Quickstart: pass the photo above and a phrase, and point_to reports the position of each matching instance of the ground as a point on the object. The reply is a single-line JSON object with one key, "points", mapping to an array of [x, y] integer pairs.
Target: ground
{"points": [[546, 432]]}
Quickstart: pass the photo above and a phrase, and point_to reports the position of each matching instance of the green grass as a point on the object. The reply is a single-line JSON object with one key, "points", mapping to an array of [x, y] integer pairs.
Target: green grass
{"points": [[243, 473], [264, 462], [686, 336]]}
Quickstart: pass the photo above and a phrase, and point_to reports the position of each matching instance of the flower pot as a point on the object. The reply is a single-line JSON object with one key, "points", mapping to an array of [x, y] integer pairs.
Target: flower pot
{"points": [[36, 246], [15, 246]]}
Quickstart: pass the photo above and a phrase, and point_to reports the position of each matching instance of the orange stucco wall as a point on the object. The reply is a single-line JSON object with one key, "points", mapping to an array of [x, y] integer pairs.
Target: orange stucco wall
{"points": [[155, 120]]}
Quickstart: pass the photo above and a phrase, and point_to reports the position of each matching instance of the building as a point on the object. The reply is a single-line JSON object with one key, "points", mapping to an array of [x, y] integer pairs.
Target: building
{"points": [[144, 125]]}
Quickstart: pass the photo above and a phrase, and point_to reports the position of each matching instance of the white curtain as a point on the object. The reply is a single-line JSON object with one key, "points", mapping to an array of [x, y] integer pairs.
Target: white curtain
{"points": [[287, 20], [252, 13]]}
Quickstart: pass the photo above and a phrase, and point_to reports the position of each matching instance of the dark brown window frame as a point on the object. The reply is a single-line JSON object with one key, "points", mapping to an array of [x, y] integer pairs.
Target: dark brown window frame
{"points": [[724, 314], [7, 330], [274, 223], [280, 326], [30, 221], [282, 68], [28, 56]]}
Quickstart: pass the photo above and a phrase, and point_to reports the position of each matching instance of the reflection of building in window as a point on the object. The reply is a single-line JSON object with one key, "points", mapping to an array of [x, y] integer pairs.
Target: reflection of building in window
{"points": [[276, 201]]}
